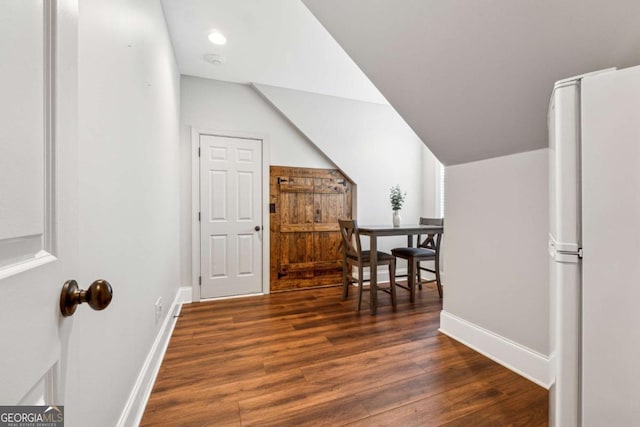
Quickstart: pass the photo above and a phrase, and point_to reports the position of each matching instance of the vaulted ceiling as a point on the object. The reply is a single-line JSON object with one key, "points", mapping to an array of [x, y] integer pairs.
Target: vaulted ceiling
{"points": [[274, 42], [473, 78]]}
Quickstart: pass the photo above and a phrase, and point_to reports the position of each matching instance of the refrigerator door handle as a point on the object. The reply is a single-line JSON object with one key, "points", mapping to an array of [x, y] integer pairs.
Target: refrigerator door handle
{"points": [[574, 253], [564, 251], [578, 252], [568, 256]]}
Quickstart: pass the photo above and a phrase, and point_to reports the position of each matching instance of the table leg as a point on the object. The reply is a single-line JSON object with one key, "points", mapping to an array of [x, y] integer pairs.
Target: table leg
{"points": [[373, 284]]}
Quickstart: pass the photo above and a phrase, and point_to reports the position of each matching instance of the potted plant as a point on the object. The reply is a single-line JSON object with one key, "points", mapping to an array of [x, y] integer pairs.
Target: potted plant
{"points": [[397, 199]]}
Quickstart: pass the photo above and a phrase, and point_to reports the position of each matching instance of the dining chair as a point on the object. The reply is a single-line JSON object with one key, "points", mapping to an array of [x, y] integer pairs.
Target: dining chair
{"points": [[354, 256], [427, 250]]}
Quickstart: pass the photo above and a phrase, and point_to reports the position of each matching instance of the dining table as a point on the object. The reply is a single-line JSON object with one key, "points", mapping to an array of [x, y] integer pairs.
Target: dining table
{"points": [[375, 231]]}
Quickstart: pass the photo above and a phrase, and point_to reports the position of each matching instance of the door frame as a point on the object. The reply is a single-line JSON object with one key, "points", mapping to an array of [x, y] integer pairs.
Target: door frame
{"points": [[195, 203]]}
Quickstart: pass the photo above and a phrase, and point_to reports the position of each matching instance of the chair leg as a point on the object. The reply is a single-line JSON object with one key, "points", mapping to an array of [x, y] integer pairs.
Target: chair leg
{"points": [[345, 279], [419, 275], [360, 286], [392, 281], [412, 279]]}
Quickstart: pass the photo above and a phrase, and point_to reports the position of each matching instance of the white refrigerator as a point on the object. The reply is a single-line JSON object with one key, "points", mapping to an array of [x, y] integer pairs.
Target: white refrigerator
{"points": [[594, 248]]}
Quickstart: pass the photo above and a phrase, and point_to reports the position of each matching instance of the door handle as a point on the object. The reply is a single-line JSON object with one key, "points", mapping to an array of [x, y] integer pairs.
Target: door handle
{"points": [[98, 296], [257, 228]]}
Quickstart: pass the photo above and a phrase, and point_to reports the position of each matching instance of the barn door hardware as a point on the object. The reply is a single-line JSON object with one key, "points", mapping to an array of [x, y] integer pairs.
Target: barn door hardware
{"points": [[281, 180]]}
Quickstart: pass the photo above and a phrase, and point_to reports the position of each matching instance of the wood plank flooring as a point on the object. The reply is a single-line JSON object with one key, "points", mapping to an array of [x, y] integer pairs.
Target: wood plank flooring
{"points": [[308, 358]]}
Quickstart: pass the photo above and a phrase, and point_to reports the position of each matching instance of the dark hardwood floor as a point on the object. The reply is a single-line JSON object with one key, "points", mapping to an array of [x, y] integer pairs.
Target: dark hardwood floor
{"points": [[308, 358]]}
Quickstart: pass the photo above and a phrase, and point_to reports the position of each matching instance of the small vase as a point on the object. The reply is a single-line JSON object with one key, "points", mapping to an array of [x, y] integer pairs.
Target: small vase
{"points": [[396, 218]]}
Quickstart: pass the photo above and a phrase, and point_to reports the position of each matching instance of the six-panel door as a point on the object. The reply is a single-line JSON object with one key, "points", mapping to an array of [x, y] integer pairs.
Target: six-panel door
{"points": [[38, 197], [231, 216]]}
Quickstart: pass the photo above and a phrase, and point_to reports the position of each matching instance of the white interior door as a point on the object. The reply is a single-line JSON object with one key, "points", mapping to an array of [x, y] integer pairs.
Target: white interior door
{"points": [[611, 239], [231, 216], [38, 243]]}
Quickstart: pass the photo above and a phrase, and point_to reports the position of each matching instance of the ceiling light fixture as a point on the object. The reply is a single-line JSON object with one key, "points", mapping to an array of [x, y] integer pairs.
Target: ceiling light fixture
{"points": [[216, 37]]}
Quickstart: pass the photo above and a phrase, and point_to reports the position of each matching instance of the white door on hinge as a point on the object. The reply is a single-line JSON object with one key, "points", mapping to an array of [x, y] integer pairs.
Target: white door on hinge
{"points": [[231, 216], [38, 197]]}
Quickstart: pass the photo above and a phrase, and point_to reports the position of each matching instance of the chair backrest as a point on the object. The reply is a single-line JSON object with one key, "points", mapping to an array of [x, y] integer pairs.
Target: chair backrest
{"points": [[350, 237], [432, 241]]}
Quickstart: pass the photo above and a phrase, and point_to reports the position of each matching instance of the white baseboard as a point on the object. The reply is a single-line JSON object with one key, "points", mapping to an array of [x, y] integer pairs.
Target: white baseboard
{"points": [[185, 295], [230, 297], [134, 409], [520, 359]]}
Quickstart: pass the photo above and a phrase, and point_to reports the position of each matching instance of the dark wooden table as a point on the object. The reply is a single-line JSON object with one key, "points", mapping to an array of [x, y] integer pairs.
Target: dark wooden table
{"points": [[375, 231]]}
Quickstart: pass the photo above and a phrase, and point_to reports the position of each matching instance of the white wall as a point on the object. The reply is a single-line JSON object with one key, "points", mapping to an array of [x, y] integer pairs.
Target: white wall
{"points": [[496, 247], [369, 142], [128, 199], [431, 182], [372, 145], [217, 106]]}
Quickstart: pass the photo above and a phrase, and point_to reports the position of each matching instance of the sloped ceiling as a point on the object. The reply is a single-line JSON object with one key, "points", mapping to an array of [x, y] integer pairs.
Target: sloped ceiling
{"points": [[473, 78], [369, 142], [274, 42]]}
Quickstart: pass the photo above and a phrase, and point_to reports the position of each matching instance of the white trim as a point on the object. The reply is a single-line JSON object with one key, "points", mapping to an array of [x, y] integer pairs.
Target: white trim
{"points": [[185, 295], [45, 248], [230, 297], [40, 259], [195, 203], [49, 240], [51, 395], [137, 402], [266, 225], [520, 359], [195, 209], [440, 192]]}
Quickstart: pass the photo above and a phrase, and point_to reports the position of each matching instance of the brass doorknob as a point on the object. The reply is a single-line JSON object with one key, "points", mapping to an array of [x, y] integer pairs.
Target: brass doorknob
{"points": [[98, 296]]}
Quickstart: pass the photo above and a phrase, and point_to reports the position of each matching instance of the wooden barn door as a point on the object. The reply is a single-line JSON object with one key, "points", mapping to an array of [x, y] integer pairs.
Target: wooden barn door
{"points": [[305, 238]]}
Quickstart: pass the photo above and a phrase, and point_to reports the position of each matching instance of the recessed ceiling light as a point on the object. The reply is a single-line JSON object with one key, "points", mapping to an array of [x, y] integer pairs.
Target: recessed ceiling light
{"points": [[216, 37]]}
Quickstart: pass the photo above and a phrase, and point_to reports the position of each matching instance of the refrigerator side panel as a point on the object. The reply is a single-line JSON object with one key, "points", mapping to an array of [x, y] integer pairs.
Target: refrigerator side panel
{"points": [[564, 280], [564, 167], [564, 394], [611, 239]]}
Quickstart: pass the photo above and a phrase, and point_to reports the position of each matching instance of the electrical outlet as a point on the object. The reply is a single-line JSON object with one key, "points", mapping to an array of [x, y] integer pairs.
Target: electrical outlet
{"points": [[158, 310]]}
